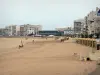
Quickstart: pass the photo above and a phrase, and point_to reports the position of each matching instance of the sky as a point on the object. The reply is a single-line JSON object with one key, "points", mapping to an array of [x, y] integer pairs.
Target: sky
{"points": [[50, 14]]}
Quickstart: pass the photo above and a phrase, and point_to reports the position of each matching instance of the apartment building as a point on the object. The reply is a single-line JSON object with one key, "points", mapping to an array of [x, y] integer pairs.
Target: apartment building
{"points": [[22, 30], [66, 30], [79, 26], [93, 21], [69, 31], [11, 30], [27, 29], [3, 32]]}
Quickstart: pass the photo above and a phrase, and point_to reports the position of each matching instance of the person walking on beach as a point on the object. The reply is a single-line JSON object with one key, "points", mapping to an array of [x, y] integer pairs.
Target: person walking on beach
{"points": [[98, 43], [33, 41]]}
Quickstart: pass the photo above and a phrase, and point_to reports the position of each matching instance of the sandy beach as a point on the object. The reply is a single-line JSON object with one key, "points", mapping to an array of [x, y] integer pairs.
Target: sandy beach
{"points": [[43, 57]]}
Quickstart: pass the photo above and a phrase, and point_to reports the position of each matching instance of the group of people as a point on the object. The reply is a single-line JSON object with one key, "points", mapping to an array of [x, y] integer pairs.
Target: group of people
{"points": [[66, 38]]}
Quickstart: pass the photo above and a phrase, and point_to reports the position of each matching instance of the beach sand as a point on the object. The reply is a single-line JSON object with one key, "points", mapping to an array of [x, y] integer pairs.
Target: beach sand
{"points": [[43, 57]]}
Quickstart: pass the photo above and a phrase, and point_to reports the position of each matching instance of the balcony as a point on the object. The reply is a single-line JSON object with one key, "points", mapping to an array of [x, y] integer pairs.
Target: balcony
{"points": [[97, 18]]}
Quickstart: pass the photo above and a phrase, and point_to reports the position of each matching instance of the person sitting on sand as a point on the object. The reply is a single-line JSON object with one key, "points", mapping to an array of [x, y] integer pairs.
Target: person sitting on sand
{"points": [[33, 41], [67, 38], [62, 40], [75, 54]]}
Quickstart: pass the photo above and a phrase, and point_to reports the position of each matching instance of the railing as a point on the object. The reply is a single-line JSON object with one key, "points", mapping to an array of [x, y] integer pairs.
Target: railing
{"points": [[86, 42]]}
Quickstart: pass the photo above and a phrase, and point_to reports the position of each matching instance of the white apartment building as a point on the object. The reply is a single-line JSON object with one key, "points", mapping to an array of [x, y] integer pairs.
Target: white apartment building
{"points": [[11, 30], [79, 26], [93, 21], [18, 32], [26, 29], [69, 31], [22, 30], [66, 30]]}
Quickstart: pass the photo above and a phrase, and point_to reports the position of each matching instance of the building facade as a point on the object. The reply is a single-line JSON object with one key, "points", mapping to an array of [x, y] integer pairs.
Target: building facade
{"points": [[78, 26], [66, 30], [22, 30], [27, 29], [3, 32], [11, 30], [69, 32], [93, 21]]}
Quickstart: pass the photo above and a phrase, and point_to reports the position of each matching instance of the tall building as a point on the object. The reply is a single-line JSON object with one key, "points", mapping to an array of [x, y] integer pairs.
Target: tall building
{"points": [[78, 26], [18, 30], [27, 29], [22, 30], [93, 21], [11, 30], [3, 32]]}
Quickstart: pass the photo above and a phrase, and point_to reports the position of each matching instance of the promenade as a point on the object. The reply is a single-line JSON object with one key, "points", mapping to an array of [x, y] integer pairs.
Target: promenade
{"points": [[44, 57]]}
